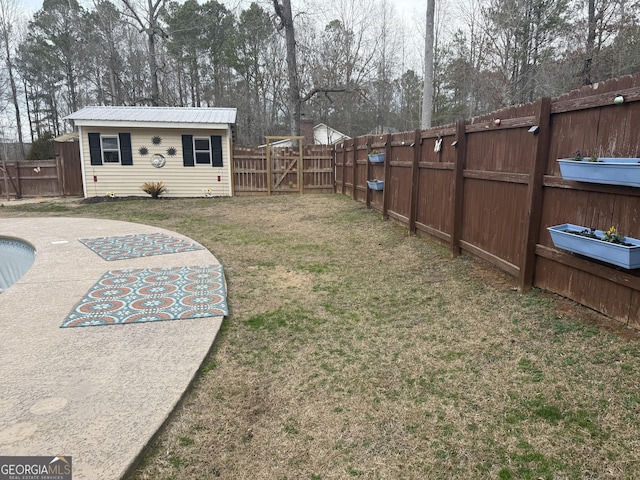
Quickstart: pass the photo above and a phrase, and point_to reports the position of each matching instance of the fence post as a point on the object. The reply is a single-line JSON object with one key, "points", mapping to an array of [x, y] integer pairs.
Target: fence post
{"points": [[300, 168], [18, 185], [334, 159], [415, 180], [534, 194], [354, 169], [344, 164], [458, 185], [59, 174], [368, 171], [5, 172], [268, 160], [387, 176]]}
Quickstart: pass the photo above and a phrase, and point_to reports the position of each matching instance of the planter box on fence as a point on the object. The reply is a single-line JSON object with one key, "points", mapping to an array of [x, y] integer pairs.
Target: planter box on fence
{"points": [[611, 171], [376, 157], [616, 254], [375, 184]]}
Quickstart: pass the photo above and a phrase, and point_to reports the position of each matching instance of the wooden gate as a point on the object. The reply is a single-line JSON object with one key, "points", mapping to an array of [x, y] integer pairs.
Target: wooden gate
{"points": [[284, 164], [278, 169]]}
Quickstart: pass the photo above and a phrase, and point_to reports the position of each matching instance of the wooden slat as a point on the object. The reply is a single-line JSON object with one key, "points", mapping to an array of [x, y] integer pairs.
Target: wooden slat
{"points": [[497, 176], [491, 258], [397, 216], [507, 123], [594, 101], [433, 231], [599, 270], [400, 163], [437, 165], [558, 182], [438, 132]]}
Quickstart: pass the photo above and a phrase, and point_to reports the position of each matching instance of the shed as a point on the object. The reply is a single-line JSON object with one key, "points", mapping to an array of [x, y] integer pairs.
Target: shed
{"points": [[189, 149]]}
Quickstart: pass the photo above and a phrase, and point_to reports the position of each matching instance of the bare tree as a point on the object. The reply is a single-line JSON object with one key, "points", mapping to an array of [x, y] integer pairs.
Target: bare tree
{"points": [[591, 40], [147, 18], [105, 33], [8, 20], [284, 21], [342, 60]]}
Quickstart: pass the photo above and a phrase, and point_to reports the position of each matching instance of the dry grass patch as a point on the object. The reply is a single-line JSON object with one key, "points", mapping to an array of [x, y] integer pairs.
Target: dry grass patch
{"points": [[355, 350]]}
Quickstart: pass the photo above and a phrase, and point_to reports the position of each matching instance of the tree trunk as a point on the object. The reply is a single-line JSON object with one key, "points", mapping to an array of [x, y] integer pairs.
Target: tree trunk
{"points": [[26, 97], [153, 66], [8, 14], [14, 97], [71, 82], [286, 21], [591, 39], [427, 96]]}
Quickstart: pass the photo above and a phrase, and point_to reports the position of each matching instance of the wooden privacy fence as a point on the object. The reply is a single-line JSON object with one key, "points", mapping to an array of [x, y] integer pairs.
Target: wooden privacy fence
{"points": [[254, 175], [61, 176], [494, 186]]}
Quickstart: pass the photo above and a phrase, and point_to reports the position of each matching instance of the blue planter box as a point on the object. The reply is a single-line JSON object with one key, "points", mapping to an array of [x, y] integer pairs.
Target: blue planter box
{"points": [[620, 255], [376, 157], [375, 184], [611, 171]]}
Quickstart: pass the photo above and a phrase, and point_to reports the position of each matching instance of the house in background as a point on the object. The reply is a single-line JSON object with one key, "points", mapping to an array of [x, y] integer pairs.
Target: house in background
{"points": [[325, 135], [189, 149], [320, 134]]}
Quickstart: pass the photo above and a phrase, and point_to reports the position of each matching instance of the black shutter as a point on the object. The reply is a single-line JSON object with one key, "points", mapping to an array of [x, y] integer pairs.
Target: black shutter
{"points": [[94, 149], [126, 157], [216, 151], [187, 150]]}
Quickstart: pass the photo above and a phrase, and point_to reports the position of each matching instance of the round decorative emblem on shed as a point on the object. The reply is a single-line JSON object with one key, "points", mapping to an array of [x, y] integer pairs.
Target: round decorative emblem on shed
{"points": [[171, 151], [156, 140], [158, 160], [143, 151]]}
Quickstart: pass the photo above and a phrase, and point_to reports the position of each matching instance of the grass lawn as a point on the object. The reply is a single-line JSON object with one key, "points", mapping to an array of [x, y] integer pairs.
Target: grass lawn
{"points": [[355, 350]]}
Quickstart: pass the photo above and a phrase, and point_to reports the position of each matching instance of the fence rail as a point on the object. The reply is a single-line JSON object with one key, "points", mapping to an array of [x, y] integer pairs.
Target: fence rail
{"points": [[494, 186]]}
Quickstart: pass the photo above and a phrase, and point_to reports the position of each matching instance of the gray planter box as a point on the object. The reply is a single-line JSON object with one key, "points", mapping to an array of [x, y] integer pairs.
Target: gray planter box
{"points": [[616, 254], [375, 184], [610, 171], [376, 157]]}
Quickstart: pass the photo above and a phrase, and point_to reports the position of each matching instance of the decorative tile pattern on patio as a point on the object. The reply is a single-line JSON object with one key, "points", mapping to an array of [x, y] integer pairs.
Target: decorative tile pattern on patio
{"points": [[140, 245], [150, 295]]}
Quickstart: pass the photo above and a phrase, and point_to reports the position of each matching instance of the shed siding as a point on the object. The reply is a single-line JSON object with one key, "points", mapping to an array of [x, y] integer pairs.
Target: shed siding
{"points": [[181, 181]]}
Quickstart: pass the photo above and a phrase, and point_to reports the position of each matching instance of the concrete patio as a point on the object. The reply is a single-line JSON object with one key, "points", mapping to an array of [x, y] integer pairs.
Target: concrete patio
{"points": [[98, 393]]}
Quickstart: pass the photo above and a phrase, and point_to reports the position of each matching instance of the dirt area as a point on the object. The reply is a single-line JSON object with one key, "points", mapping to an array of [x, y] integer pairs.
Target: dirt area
{"points": [[16, 202]]}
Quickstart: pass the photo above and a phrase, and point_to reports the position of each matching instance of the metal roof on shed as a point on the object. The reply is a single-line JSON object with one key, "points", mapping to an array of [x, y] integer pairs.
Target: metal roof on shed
{"points": [[156, 114]]}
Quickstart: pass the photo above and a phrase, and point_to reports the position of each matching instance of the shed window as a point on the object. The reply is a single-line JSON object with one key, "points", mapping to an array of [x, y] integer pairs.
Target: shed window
{"points": [[110, 149], [202, 150]]}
